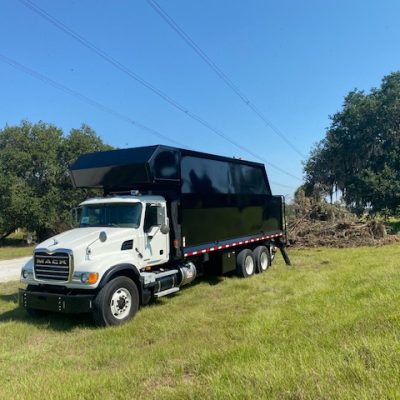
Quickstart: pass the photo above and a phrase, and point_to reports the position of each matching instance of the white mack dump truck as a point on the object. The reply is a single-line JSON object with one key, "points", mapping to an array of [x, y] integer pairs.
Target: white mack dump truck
{"points": [[167, 216]]}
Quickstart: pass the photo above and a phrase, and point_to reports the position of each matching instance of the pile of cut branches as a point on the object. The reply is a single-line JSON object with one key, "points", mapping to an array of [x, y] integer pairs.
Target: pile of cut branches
{"points": [[322, 224]]}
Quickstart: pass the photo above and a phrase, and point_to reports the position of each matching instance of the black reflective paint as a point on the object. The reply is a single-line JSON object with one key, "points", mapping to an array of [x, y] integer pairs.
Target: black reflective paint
{"points": [[202, 175], [126, 168], [213, 218], [210, 198]]}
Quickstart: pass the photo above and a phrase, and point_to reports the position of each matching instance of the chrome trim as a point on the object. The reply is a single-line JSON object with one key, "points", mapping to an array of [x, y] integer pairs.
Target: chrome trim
{"points": [[50, 252], [51, 256]]}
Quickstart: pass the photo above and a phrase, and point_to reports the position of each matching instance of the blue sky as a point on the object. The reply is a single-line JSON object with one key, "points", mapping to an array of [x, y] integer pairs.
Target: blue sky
{"points": [[295, 60]]}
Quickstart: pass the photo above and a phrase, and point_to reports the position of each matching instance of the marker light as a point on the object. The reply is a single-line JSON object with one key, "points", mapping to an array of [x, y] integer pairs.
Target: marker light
{"points": [[92, 278], [89, 277]]}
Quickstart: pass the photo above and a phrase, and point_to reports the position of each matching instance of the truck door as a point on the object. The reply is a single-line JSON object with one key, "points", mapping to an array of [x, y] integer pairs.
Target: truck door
{"points": [[156, 236]]}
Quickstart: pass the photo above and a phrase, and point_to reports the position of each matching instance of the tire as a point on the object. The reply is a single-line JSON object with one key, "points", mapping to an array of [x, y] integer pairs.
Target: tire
{"points": [[263, 259], [116, 303], [245, 263]]}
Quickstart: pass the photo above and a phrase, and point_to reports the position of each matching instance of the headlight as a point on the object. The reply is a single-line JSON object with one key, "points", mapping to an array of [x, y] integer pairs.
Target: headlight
{"points": [[89, 277], [27, 270], [26, 274]]}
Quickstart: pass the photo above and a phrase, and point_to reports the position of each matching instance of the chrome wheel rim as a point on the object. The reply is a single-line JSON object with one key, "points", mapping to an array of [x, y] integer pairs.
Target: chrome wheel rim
{"points": [[249, 265], [264, 261], [121, 303]]}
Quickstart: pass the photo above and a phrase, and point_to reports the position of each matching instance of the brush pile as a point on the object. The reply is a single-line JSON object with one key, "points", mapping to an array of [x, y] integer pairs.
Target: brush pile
{"points": [[322, 224]]}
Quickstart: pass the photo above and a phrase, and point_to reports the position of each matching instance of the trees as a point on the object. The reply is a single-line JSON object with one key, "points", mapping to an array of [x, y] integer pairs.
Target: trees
{"points": [[35, 189], [360, 154]]}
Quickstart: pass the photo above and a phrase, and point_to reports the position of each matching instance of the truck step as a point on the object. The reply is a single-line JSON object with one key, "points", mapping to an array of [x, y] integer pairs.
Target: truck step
{"points": [[166, 292], [166, 273]]}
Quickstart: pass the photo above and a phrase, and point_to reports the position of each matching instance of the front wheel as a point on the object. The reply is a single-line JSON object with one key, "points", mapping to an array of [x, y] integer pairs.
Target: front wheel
{"points": [[116, 303]]}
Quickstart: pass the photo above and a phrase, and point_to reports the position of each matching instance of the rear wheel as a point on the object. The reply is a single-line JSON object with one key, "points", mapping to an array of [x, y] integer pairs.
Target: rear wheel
{"points": [[116, 303], [262, 258], [245, 265]]}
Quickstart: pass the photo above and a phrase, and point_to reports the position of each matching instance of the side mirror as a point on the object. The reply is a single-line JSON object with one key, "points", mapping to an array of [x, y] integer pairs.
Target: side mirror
{"points": [[164, 229], [102, 236]]}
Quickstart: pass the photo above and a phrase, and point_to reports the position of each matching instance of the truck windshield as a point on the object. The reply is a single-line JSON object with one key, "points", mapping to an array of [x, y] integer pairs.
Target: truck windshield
{"points": [[114, 215]]}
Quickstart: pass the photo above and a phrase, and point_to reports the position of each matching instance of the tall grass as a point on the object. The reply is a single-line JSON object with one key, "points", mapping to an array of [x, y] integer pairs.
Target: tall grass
{"points": [[329, 328]]}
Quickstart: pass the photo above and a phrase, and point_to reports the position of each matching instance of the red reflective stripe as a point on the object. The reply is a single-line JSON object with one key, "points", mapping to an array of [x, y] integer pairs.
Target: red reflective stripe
{"points": [[193, 253]]}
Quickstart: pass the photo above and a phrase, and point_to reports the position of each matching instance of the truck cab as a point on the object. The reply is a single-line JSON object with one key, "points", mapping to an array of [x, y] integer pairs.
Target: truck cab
{"points": [[137, 228], [118, 233]]}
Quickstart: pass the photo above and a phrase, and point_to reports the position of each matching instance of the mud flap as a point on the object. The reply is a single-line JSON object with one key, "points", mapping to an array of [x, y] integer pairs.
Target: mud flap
{"points": [[282, 247]]}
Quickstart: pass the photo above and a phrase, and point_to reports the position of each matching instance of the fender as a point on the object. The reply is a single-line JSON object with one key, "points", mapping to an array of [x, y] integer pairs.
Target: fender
{"points": [[116, 270], [130, 271]]}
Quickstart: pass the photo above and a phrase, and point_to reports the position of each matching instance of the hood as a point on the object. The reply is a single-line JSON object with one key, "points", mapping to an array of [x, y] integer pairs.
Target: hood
{"points": [[79, 239], [89, 253]]}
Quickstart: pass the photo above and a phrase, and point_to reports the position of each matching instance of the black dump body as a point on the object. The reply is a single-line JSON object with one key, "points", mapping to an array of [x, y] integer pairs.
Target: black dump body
{"points": [[212, 199]]}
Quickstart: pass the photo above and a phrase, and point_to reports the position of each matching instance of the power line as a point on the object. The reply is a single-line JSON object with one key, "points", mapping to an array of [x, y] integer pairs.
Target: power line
{"points": [[101, 53], [93, 103], [283, 185], [84, 98], [220, 73]]}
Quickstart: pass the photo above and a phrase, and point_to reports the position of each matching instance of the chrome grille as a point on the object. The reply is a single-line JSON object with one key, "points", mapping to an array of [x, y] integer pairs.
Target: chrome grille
{"points": [[52, 266]]}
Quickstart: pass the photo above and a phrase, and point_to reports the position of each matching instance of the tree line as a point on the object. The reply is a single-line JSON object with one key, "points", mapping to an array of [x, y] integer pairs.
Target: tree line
{"points": [[359, 157], [36, 192]]}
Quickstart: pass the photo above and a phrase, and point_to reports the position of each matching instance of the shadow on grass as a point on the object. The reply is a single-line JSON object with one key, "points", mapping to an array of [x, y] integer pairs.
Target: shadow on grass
{"points": [[50, 320], [210, 279], [9, 298], [65, 322]]}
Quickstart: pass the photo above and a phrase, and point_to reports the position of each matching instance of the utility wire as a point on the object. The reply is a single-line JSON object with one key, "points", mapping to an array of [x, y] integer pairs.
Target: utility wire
{"points": [[220, 73], [283, 185], [84, 98], [94, 103], [101, 53]]}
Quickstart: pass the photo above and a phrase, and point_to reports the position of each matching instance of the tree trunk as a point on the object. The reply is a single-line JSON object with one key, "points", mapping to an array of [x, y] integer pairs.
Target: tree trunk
{"points": [[8, 233], [44, 233]]}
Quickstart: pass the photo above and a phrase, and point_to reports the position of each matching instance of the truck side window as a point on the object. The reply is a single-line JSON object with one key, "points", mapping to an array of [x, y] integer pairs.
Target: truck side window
{"points": [[154, 217]]}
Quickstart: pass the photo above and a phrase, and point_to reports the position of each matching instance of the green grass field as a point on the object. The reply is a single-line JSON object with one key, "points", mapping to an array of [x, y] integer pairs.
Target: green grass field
{"points": [[15, 246], [329, 328], [8, 252]]}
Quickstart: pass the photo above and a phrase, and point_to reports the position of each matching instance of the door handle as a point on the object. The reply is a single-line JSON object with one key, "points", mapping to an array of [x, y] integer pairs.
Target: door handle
{"points": [[139, 253]]}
